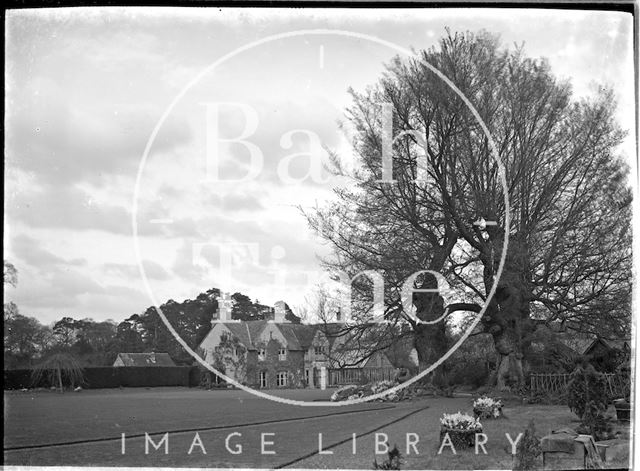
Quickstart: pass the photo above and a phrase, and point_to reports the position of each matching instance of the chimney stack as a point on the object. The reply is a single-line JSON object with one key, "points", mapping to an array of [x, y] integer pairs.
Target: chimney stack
{"points": [[279, 312], [225, 305]]}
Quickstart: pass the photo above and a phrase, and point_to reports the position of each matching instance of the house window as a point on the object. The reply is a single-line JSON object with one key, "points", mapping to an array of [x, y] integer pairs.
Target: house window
{"points": [[262, 354], [282, 354], [319, 350], [263, 379], [281, 379]]}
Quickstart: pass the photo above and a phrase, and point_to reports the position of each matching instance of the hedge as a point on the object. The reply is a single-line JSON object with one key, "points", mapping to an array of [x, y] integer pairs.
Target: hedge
{"points": [[114, 377]]}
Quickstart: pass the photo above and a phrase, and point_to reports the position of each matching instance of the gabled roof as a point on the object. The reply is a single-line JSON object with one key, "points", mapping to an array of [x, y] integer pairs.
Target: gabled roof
{"points": [[298, 336], [305, 334], [617, 344], [581, 344], [146, 359], [240, 330], [571, 342]]}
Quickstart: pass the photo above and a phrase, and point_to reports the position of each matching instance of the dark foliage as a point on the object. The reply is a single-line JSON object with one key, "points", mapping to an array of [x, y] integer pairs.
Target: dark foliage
{"points": [[59, 370], [110, 377], [393, 461], [94, 344], [589, 398], [528, 450], [587, 385]]}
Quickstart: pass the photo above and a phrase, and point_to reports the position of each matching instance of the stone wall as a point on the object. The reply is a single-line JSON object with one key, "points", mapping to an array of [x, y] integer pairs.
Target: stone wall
{"points": [[293, 365]]}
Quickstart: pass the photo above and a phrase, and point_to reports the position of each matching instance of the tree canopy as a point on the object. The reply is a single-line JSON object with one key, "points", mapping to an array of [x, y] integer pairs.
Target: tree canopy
{"points": [[568, 260]]}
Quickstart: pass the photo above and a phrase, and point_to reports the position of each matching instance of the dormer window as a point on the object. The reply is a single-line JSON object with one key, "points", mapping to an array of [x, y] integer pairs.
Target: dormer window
{"points": [[282, 354], [262, 354], [320, 350]]}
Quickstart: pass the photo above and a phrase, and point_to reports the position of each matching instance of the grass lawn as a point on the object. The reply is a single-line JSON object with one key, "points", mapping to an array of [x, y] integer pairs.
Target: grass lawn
{"points": [[426, 424], [45, 418], [99, 417]]}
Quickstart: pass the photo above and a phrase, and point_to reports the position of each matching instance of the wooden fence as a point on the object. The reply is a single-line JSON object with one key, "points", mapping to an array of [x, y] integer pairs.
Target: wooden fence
{"points": [[343, 376], [558, 383]]}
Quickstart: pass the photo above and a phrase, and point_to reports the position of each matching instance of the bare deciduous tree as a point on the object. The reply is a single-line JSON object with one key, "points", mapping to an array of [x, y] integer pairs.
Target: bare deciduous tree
{"points": [[568, 256]]}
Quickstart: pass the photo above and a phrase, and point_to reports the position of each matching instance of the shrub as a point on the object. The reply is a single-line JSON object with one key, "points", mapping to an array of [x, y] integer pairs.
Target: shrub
{"points": [[587, 385], [528, 450], [470, 373], [595, 423], [589, 399], [59, 369], [344, 392], [382, 386], [393, 461], [486, 407]]}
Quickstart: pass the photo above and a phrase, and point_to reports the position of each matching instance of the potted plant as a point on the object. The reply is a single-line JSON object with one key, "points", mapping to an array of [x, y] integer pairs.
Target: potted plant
{"points": [[461, 428], [623, 405], [486, 407], [623, 408]]}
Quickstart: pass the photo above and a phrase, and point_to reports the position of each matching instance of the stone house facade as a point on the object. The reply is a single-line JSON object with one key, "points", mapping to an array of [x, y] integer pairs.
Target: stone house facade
{"points": [[278, 354]]}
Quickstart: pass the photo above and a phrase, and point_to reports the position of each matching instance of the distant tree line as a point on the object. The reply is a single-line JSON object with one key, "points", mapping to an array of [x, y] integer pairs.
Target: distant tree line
{"points": [[97, 343]]}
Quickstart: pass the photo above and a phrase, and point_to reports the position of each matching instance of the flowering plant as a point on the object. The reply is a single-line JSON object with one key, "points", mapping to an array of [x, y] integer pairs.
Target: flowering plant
{"points": [[486, 407], [460, 421], [344, 392], [381, 386]]}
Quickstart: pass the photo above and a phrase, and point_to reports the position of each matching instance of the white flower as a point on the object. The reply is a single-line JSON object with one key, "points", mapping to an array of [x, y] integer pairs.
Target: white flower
{"points": [[460, 421], [488, 405], [381, 386]]}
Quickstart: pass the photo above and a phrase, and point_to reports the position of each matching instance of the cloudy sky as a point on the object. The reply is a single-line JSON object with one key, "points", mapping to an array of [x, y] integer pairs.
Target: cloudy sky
{"points": [[110, 113]]}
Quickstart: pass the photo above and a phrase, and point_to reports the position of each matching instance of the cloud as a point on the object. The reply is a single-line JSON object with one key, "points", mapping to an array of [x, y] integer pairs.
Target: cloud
{"points": [[64, 143], [66, 207], [55, 288], [85, 89], [285, 129], [152, 269], [31, 251], [241, 202]]}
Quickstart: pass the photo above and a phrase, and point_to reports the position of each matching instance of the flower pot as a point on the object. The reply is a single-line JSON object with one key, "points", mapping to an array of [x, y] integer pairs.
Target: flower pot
{"points": [[486, 413], [460, 438], [623, 410]]}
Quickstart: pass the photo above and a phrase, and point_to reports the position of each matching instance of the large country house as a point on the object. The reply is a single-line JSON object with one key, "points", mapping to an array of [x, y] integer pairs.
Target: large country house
{"points": [[277, 353]]}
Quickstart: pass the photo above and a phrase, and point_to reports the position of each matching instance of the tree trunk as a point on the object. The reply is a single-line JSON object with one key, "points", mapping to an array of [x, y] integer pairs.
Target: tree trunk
{"points": [[431, 344], [59, 370], [508, 319], [430, 340], [509, 372]]}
